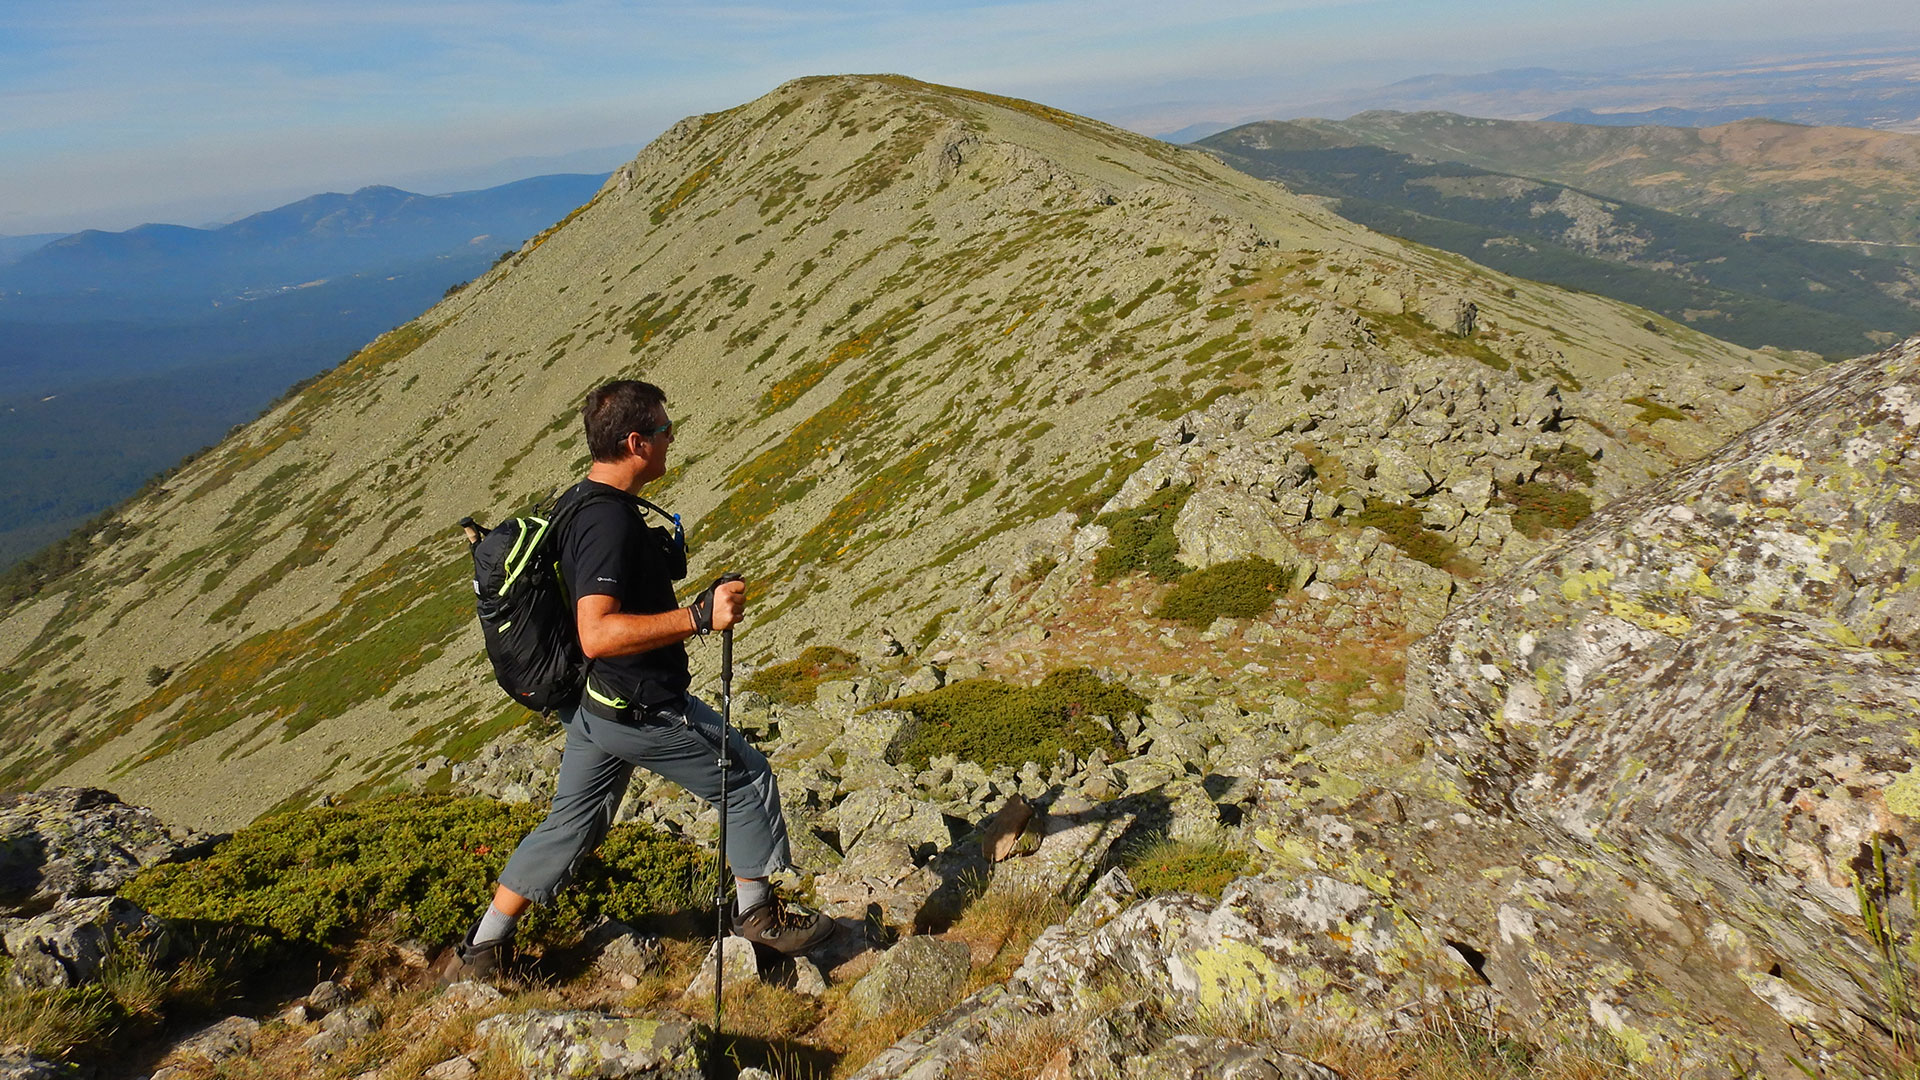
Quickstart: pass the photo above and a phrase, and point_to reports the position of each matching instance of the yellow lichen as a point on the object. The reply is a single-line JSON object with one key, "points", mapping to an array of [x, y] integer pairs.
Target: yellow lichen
{"points": [[1671, 624], [1903, 795], [1578, 586], [1633, 1044], [1843, 634], [1233, 974], [1376, 883]]}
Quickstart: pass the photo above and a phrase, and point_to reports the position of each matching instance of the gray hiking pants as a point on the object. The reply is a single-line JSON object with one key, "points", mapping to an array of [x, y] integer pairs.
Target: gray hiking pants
{"points": [[594, 769]]}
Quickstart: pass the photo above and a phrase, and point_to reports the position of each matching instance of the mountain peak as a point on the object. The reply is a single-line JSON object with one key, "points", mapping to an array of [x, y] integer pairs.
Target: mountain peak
{"points": [[917, 337]]}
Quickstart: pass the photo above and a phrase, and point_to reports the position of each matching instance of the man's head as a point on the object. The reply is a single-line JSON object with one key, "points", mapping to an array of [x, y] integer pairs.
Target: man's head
{"points": [[619, 410]]}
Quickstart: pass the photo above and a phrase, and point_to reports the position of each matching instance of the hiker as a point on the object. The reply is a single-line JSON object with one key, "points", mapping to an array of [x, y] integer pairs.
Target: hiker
{"points": [[635, 710]]}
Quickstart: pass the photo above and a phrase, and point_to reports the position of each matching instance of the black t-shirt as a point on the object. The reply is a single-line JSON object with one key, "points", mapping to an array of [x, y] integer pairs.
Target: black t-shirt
{"points": [[611, 549]]}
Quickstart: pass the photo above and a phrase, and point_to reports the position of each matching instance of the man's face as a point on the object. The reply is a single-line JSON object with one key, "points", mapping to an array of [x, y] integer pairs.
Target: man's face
{"points": [[651, 447]]}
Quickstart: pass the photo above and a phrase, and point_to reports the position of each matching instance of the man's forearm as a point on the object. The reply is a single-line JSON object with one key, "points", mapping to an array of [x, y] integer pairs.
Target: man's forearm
{"points": [[621, 634]]}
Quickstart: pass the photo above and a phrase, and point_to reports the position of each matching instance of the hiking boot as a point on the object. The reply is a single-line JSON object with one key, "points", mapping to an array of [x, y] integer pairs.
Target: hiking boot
{"points": [[470, 961], [783, 926]]}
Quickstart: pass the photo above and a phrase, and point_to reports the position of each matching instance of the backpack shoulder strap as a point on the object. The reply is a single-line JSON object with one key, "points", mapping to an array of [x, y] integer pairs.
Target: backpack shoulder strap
{"points": [[570, 503], [657, 510]]}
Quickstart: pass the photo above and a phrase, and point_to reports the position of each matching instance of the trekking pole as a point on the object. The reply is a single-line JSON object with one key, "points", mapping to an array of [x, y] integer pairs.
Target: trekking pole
{"points": [[720, 874]]}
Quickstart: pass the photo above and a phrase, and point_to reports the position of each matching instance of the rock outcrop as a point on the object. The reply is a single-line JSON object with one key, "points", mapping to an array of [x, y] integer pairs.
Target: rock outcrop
{"points": [[596, 1046], [74, 842], [68, 945], [1712, 688]]}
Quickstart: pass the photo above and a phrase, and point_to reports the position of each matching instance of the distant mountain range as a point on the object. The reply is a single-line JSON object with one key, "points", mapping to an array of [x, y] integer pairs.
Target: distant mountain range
{"points": [[1825, 184], [158, 270], [122, 352], [13, 247], [1871, 86]]}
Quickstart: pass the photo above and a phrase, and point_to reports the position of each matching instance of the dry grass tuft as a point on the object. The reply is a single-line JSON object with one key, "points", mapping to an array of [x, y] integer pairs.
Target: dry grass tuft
{"points": [[1000, 927], [1446, 1042], [1020, 1052], [53, 1023], [857, 1039]]}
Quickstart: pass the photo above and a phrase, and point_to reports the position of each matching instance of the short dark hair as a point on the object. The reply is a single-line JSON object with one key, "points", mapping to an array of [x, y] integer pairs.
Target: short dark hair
{"points": [[619, 408]]}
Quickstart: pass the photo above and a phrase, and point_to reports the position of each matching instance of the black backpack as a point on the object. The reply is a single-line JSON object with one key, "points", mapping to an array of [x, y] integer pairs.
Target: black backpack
{"points": [[524, 612]]}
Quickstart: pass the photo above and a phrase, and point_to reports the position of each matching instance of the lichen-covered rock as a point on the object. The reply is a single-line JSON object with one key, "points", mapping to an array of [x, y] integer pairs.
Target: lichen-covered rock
{"points": [[889, 814], [739, 966], [1073, 849], [327, 996], [69, 842], [808, 979], [1107, 898], [628, 957], [1570, 946], [517, 767], [1315, 949], [458, 1067], [954, 1036], [217, 1042], [17, 1064], [595, 1046], [1712, 686], [339, 1029], [67, 945], [919, 974], [1219, 525], [872, 733], [880, 878]]}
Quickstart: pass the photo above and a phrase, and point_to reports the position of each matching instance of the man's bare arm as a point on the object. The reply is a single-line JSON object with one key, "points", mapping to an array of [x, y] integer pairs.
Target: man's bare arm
{"points": [[606, 631]]}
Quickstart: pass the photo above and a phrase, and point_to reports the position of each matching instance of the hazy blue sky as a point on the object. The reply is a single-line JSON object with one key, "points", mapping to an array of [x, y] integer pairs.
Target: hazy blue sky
{"points": [[117, 111]]}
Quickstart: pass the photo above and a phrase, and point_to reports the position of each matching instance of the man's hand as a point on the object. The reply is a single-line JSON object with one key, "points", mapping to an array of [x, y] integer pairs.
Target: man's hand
{"points": [[720, 606]]}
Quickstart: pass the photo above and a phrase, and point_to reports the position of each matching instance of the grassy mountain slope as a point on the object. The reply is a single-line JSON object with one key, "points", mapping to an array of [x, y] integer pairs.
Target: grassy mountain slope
{"points": [[1753, 289], [902, 327], [1829, 184]]}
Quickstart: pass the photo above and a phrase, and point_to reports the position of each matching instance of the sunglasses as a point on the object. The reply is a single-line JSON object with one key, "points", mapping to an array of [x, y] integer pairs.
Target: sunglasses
{"points": [[664, 429]]}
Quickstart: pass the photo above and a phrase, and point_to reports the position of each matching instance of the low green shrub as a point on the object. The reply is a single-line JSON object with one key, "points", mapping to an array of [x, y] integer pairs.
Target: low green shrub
{"points": [[1167, 865], [1569, 461], [1142, 538], [421, 866], [795, 681], [1406, 531], [993, 723], [1242, 589], [1539, 506], [1651, 410]]}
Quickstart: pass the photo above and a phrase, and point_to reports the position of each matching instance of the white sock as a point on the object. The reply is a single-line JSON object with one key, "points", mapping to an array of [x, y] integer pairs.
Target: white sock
{"points": [[495, 925], [750, 894]]}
